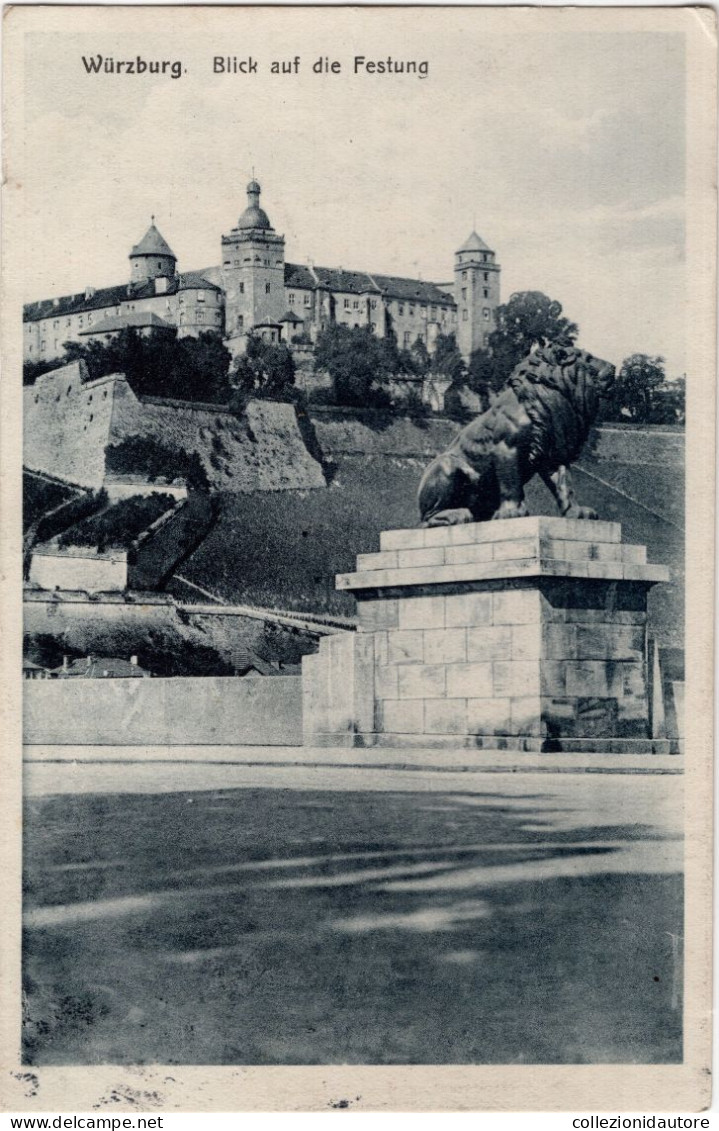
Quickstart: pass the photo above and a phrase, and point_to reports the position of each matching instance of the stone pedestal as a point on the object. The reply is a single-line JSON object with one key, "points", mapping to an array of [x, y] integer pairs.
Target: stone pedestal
{"points": [[526, 634]]}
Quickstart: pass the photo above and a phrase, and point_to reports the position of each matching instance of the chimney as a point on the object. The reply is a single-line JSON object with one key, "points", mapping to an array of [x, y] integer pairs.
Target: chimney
{"points": [[89, 293], [65, 663], [133, 660]]}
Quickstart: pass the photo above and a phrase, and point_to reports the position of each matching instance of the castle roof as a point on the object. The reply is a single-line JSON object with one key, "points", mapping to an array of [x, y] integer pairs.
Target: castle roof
{"points": [[152, 243], [290, 316], [112, 296], [474, 243], [141, 320], [362, 283]]}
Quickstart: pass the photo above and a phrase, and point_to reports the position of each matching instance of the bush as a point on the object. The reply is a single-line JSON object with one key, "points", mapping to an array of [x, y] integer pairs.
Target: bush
{"points": [[40, 496], [118, 526], [75, 510], [145, 455]]}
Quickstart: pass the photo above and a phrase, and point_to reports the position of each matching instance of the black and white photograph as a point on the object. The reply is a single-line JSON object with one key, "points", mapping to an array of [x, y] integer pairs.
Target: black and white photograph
{"points": [[358, 421]]}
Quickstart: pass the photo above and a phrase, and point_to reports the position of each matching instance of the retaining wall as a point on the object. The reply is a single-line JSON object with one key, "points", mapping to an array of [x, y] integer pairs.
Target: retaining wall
{"points": [[217, 710]]}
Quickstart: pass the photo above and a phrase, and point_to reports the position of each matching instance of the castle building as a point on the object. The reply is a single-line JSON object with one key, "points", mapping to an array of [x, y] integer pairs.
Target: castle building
{"points": [[254, 289]]}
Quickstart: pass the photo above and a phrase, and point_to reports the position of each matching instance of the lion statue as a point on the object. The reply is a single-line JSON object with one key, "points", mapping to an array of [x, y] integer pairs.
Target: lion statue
{"points": [[538, 424]]}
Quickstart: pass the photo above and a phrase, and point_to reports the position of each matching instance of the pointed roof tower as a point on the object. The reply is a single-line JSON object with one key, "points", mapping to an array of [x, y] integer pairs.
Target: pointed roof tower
{"points": [[474, 243], [153, 243], [152, 256]]}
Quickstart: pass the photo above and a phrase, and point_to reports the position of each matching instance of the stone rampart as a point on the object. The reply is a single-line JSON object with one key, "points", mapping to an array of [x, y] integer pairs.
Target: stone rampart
{"points": [[68, 424]]}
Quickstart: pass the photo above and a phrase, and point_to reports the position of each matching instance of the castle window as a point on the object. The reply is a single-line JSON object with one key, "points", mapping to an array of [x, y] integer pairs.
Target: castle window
{"points": [[79, 321], [485, 312], [308, 300], [200, 296], [411, 312], [240, 322], [159, 265], [346, 304], [89, 319], [407, 336], [182, 299], [355, 304], [200, 316], [486, 276], [464, 315], [433, 312], [227, 263], [91, 416], [485, 293], [464, 293], [42, 346], [400, 308], [267, 288], [69, 320], [69, 390], [55, 324], [291, 298], [30, 348], [484, 256], [373, 304], [464, 274]]}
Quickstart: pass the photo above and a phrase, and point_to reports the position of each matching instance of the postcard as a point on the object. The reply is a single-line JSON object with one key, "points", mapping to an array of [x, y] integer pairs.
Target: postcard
{"points": [[358, 558]]}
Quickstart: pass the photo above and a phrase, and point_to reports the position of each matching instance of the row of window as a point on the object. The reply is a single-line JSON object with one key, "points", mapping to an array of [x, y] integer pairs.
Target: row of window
{"points": [[485, 293], [485, 314], [485, 273]]}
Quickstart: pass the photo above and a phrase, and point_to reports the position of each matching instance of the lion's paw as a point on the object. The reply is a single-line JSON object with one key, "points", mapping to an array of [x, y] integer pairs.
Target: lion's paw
{"points": [[581, 512], [511, 510]]}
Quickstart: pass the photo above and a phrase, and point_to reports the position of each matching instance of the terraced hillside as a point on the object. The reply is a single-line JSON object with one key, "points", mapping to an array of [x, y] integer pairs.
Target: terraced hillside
{"points": [[282, 549]]}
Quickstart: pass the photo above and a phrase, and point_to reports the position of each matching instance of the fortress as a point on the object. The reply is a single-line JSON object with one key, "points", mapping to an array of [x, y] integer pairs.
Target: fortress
{"points": [[254, 289]]}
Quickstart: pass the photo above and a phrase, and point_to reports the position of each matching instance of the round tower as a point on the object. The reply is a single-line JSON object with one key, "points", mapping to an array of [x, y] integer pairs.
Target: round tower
{"points": [[152, 257]]}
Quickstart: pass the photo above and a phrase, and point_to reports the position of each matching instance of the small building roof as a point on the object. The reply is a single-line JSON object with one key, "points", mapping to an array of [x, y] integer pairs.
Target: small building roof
{"points": [[152, 243], [290, 316]]}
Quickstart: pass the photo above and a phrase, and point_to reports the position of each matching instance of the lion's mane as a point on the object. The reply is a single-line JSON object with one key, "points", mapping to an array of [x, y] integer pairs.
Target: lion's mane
{"points": [[559, 390]]}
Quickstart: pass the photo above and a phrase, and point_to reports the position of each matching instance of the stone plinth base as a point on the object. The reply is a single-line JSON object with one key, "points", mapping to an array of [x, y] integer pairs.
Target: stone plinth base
{"points": [[525, 634]]}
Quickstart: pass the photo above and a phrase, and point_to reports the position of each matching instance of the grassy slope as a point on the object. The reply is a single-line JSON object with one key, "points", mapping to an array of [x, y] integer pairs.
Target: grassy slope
{"points": [[283, 549]]}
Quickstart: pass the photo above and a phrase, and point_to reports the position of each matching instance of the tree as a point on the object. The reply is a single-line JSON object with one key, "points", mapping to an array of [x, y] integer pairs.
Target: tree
{"points": [[265, 370], [447, 360], [529, 318], [484, 376], [358, 363], [160, 364], [633, 391]]}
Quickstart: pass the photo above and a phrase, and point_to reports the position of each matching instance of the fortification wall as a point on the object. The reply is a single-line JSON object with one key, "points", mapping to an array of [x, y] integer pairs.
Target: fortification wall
{"points": [[343, 432], [217, 710], [263, 451], [90, 573], [66, 425]]}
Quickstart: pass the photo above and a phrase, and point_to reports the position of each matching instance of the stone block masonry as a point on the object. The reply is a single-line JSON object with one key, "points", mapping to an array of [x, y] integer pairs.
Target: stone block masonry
{"points": [[526, 634]]}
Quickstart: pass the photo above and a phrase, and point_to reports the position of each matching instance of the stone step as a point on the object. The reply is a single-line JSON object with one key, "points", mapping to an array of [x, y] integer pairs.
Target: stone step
{"points": [[528, 567], [573, 529]]}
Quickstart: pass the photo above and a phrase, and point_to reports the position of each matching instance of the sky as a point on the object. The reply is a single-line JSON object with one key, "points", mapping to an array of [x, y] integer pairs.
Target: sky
{"points": [[565, 149]]}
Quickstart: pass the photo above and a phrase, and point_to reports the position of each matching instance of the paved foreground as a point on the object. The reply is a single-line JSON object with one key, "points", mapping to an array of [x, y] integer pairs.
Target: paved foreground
{"points": [[238, 914]]}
